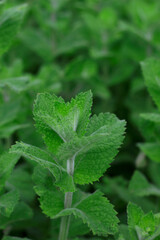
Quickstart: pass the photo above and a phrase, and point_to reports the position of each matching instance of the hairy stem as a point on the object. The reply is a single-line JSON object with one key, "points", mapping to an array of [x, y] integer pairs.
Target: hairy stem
{"points": [[65, 221]]}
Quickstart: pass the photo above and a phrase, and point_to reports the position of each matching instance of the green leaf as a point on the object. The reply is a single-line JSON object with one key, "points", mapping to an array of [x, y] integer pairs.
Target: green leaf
{"points": [[7, 163], [135, 214], [140, 186], [151, 72], [148, 223], [10, 21], [51, 200], [77, 227], [93, 153], [21, 212], [97, 212], [58, 121], [152, 150], [94, 209], [8, 202], [141, 225], [46, 160]]}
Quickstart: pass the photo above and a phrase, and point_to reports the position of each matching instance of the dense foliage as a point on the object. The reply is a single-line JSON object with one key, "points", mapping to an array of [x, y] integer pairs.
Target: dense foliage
{"points": [[58, 56]]}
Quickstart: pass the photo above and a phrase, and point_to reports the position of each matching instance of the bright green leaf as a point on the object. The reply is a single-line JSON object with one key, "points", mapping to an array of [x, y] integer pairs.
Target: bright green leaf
{"points": [[46, 160]]}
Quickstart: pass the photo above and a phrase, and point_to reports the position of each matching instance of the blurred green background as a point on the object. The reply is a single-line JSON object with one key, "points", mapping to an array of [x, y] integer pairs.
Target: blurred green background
{"points": [[68, 46]]}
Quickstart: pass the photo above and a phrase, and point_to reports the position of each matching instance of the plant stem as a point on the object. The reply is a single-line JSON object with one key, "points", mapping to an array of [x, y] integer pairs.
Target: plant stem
{"points": [[65, 221]]}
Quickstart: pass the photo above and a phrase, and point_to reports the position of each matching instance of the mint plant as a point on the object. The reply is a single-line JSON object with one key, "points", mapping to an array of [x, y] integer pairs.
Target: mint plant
{"points": [[145, 226], [80, 149]]}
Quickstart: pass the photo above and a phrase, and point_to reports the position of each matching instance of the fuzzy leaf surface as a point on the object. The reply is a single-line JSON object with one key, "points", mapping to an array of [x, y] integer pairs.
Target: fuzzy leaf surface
{"points": [[141, 225], [63, 180], [51, 200], [94, 152], [97, 212], [58, 121]]}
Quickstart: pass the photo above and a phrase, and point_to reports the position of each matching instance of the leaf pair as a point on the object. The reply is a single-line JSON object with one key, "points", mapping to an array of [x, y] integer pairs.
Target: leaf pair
{"points": [[141, 225], [93, 209]]}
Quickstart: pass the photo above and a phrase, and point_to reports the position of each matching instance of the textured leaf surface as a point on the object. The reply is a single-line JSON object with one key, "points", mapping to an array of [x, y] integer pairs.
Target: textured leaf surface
{"points": [[93, 209], [94, 152], [63, 180], [51, 200], [151, 72], [141, 226], [10, 22], [7, 163], [8, 202], [152, 150], [97, 212], [140, 186], [135, 214], [59, 121]]}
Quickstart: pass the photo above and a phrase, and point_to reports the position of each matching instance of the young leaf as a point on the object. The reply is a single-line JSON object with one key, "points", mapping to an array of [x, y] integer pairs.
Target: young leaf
{"points": [[94, 152], [10, 21], [141, 226], [58, 121], [63, 180], [135, 214]]}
